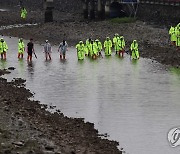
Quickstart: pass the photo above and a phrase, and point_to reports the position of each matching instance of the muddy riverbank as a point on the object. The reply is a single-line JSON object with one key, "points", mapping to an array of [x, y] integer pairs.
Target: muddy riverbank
{"points": [[153, 40], [26, 127]]}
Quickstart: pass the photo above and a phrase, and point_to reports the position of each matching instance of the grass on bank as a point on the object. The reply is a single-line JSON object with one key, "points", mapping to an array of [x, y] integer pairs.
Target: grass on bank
{"points": [[123, 20]]}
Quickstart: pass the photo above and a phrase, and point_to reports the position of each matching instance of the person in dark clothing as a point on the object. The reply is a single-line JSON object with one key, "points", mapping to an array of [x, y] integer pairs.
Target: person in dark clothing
{"points": [[30, 50], [63, 47]]}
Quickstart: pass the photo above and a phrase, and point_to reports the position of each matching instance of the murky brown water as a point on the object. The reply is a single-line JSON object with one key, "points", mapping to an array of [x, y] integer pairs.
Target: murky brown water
{"points": [[136, 103]]}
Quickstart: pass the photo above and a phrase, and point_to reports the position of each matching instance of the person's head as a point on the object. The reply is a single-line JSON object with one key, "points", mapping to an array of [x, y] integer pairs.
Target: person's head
{"points": [[92, 41], [46, 41], [2, 40], [89, 39], [64, 42], [31, 40], [107, 38], [121, 37], [80, 42], [134, 41], [97, 40], [116, 35], [20, 40], [178, 25]]}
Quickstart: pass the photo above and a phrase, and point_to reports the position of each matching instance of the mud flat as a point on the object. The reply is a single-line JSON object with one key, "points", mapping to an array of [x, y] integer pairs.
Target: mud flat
{"points": [[27, 127]]}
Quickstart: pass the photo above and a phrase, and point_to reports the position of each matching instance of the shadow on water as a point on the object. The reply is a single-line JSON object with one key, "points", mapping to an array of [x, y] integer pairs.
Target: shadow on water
{"points": [[47, 62], [134, 62], [63, 61], [30, 69], [80, 62]]}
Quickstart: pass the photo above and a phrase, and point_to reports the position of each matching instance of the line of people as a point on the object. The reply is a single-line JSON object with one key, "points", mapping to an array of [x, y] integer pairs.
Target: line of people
{"points": [[94, 49], [91, 48], [174, 33], [63, 47]]}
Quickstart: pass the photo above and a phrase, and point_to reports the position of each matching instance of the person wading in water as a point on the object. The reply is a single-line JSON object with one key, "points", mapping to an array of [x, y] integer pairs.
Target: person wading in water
{"points": [[30, 50], [63, 47]]}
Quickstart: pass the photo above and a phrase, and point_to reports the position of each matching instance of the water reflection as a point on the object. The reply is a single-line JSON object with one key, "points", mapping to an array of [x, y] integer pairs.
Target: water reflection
{"points": [[134, 62], [175, 71], [3, 64], [30, 69], [21, 68], [63, 61]]}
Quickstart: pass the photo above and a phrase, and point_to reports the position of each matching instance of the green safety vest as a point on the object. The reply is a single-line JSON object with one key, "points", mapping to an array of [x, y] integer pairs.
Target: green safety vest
{"points": [[172, 33], [3, 47], [23, 13], [115, 42], [177, 33], [87, 46], [93, 49], [108, 46], [80, 51], [21, 47], [135, 51], [99, 46], [121, 44]]}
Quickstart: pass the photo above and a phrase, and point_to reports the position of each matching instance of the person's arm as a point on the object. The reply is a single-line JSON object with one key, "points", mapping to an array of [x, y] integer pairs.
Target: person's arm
{"points": [[27, 48], [6, 46], [111, 44], [66, 47], [50, 48], [44, 48], [33, 48], [59, 47], [131, 47]]}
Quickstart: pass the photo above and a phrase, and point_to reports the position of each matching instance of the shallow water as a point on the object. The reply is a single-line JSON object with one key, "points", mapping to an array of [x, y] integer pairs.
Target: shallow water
{"points": [[4, 10], [17, 26], [136, 103]]}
